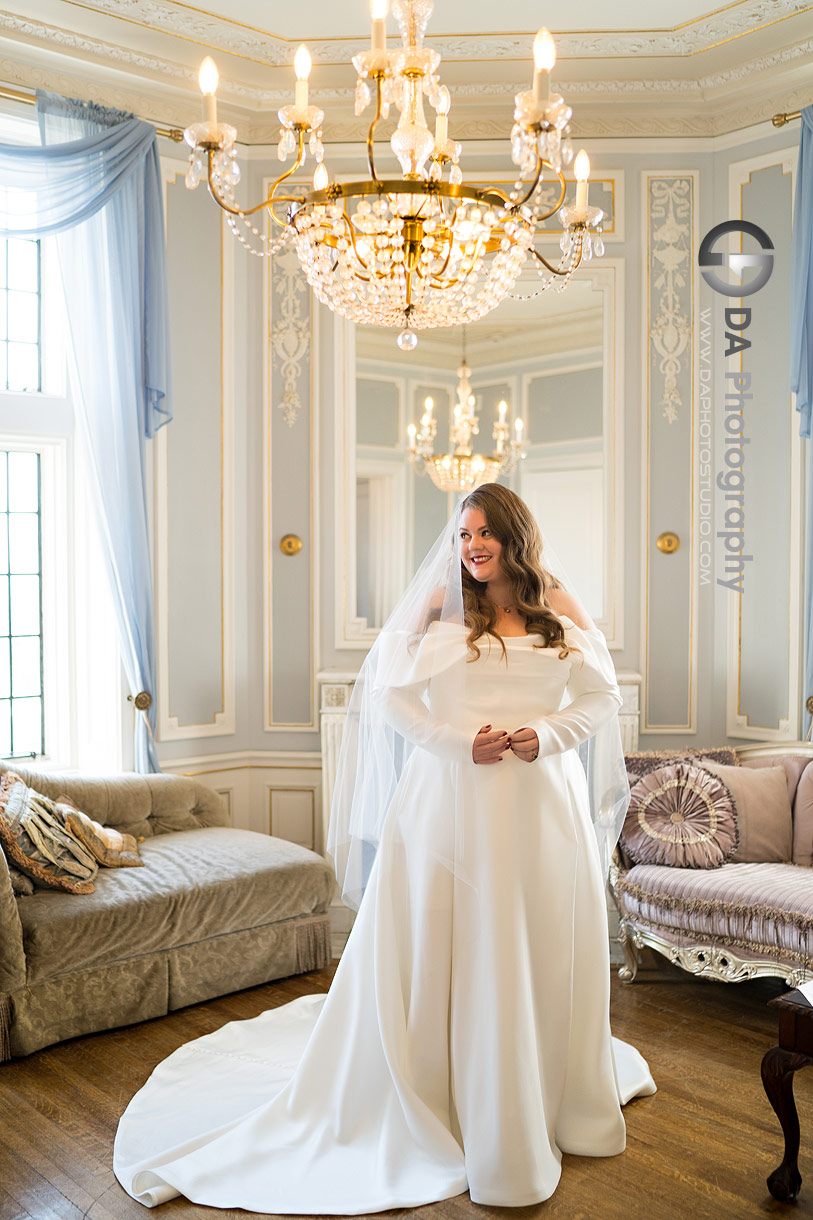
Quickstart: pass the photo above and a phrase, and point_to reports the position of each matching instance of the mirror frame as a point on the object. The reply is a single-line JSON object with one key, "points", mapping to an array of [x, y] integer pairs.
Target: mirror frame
{"points": [[352, 631]]}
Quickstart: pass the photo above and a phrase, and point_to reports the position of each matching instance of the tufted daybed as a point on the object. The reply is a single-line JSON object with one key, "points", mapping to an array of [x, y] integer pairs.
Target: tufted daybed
{"points": [[736, 921], [213, 910]]}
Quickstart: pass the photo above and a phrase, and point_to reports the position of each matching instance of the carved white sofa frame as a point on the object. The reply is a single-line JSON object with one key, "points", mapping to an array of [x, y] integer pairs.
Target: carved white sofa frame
{"points": [[705, 956]]}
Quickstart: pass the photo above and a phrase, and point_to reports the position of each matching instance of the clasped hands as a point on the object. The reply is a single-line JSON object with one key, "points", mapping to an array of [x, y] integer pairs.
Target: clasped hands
{"points": [[490, 745]]}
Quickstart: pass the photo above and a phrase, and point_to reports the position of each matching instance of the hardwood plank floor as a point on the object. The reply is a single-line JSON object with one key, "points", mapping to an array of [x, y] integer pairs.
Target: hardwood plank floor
{"points": [[700, 1148]]}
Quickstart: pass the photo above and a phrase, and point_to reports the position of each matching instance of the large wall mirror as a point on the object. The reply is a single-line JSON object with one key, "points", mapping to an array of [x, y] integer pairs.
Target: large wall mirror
{"points": [[555, 360]]}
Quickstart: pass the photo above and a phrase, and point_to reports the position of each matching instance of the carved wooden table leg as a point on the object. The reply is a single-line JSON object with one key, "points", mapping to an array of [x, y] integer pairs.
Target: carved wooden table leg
{"points": [[778, 1067]]}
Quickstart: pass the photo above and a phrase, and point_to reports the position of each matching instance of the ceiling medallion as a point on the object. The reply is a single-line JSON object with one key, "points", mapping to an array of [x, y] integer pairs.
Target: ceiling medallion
{"points": [[425, 249]]}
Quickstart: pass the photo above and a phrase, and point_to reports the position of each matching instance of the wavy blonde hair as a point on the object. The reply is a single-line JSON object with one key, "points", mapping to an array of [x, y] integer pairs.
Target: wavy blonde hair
{"points": [[512, 524]]}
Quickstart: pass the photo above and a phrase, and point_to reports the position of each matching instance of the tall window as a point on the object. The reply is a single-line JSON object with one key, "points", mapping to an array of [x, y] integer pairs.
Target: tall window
{"points": [[20, 315], [60, 678], [21, 702]]}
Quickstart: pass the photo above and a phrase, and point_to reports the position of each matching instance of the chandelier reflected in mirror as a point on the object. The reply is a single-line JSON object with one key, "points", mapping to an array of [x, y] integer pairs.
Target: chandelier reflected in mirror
{"points": [[461, 469], [424, 249]]}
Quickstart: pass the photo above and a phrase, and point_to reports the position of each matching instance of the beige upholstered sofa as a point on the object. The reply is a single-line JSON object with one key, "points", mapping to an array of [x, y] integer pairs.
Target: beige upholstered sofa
{"points": [[736, 921], [213, 910]]}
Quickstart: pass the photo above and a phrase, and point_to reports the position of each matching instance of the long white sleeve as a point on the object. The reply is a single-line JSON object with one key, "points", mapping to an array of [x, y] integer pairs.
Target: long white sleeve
{"points": [[402, 693], [403, 708], [593, 691]]}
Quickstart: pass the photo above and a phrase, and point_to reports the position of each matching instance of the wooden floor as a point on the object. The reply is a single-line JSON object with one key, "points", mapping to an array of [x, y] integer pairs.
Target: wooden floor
{"points": [[699, 1149]]}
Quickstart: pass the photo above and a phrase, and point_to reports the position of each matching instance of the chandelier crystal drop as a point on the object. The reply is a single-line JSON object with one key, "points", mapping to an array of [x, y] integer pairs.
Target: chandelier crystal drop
{"points": [[423, 249], [461, 469]]}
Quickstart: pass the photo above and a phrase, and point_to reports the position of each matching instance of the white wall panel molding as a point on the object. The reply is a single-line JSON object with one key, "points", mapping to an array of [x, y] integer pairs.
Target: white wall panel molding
{"points": [[764, 626], [290, 592], [222, 723], [629, 716], [276, 792], [669, 210], [350, 632]]}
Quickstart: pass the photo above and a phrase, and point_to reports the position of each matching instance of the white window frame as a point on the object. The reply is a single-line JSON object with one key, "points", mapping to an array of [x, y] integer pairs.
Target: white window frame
{"points": [[84, 704]]}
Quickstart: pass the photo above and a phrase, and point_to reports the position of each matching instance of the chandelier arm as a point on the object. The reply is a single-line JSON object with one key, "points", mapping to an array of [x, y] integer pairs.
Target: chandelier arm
{"points": [[266, 203], [448, 257], [222, 203], [541, 164], [503, 195], [562, 193], [371, 131], [555, 270], [351, 232], [300, 157]]}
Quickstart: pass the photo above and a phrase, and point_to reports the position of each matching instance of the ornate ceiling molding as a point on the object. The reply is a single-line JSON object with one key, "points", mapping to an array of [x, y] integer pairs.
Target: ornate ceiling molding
{"points": [[240, 93], [162, 89], [56, 36], [217, 33]]}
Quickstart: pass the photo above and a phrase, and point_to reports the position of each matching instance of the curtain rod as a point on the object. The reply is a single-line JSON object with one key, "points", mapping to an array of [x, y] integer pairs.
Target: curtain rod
{"points": [[779, 120], [29, 99]]}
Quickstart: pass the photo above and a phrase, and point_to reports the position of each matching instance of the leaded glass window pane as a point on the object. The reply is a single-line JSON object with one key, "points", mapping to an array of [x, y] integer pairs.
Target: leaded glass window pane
{"points": [[20, 315], [21, 677]]}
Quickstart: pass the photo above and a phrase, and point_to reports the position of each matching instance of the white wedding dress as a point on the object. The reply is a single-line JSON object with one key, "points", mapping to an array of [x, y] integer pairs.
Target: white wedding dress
{"points": [[465, 1040]]}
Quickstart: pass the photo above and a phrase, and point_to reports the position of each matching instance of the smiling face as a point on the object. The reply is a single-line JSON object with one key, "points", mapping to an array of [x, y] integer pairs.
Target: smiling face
{"points": [[479, 549]]}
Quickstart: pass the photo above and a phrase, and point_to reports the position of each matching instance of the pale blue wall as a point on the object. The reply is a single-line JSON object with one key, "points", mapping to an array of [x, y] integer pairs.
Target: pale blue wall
{"points": [[196, 665]]}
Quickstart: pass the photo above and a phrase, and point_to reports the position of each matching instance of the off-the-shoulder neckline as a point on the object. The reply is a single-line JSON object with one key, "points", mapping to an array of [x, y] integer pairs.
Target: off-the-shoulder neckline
{"points": [[564, 619]]}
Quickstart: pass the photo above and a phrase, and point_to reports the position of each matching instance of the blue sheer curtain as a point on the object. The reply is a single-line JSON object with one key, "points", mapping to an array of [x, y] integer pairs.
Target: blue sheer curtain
{"points": [[95, 184], [801, 353]]}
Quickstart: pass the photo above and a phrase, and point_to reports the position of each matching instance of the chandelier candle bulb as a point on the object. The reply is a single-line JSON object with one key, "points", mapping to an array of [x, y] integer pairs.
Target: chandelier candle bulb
{"points": [[321, 178], [302, 68], [544, 59], [581, 168], [442, 120], [378, 39], [208, 79], [502, 408]]}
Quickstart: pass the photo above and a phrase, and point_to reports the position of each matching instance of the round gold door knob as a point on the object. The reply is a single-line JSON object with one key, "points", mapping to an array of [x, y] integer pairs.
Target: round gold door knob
{"points": [[667, 543], [291, 544]]}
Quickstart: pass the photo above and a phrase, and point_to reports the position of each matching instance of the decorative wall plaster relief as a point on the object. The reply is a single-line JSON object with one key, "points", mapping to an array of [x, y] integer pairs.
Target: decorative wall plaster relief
{"points": [[290, 334], [670, 252], [670, 586], [290, 497]]}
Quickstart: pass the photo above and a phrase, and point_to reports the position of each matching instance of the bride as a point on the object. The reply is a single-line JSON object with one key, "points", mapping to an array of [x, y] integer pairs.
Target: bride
{"points": [[465, 1041]]}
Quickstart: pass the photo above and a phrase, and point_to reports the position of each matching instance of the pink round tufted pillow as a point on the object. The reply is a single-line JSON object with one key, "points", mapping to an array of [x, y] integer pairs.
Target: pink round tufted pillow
{"points": [[681, 816]]}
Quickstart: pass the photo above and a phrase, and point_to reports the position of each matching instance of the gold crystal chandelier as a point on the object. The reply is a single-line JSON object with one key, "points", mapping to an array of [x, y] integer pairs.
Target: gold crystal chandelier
{"points": [[462, 470], [424, 249]]}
